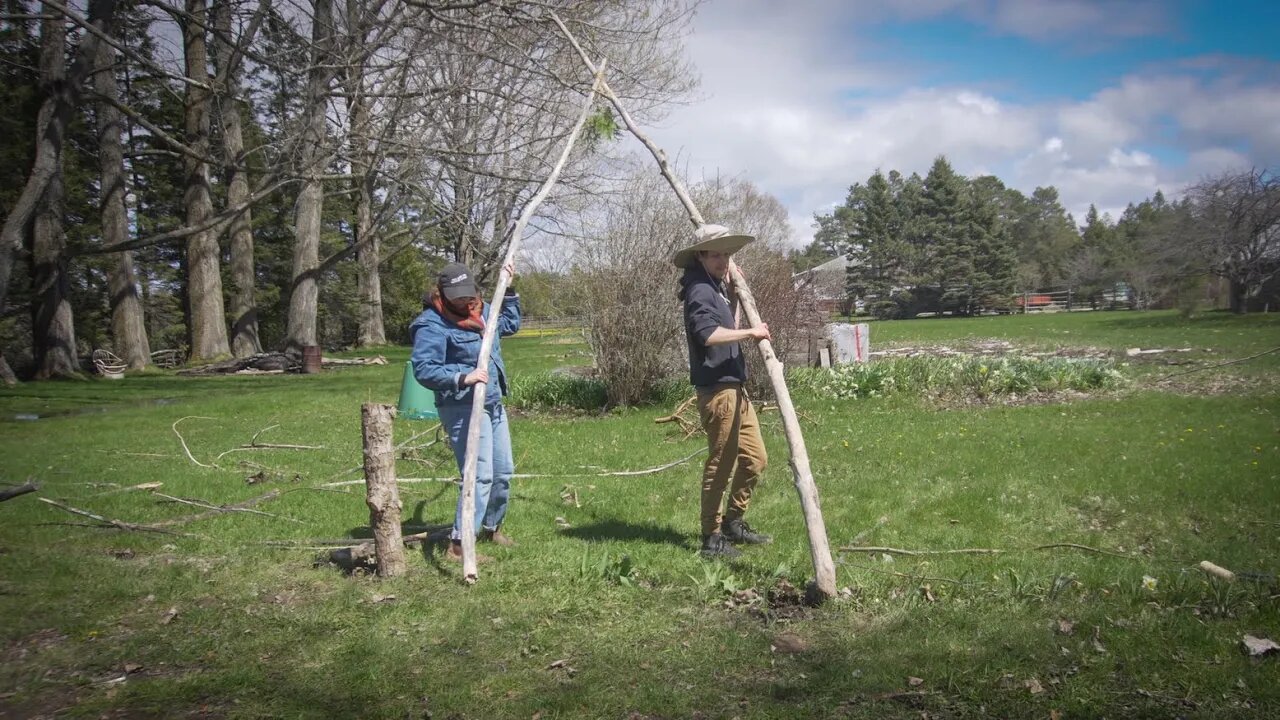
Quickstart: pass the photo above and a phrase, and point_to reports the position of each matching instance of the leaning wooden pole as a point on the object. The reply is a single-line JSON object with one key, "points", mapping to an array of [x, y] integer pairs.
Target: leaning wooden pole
{"points": [[468, 529], [382, 496], [819, 547]]}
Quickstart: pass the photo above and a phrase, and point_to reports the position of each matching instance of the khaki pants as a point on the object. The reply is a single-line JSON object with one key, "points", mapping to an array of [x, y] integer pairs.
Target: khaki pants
{"points": [[733, 437]]}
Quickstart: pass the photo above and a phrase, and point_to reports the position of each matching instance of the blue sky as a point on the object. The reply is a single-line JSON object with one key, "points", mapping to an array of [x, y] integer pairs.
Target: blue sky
{"points": [[1107, 100]]}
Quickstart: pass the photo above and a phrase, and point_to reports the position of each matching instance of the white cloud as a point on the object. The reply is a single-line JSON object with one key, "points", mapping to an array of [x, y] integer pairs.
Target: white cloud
{"points": [[791, 107]]}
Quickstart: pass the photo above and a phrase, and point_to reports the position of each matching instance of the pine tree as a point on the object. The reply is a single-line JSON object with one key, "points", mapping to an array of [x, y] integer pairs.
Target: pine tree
{"points": [[948, 281]]}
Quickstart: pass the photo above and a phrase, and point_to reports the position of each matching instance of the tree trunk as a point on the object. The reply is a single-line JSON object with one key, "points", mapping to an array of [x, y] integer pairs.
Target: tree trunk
{"points": [[6, 373], [369, 281], [204, 275], [1239, 297], [368, 246], [382, 495], [51, 124], [128, 326], [52, 328], [244, 307], [305, 292]]}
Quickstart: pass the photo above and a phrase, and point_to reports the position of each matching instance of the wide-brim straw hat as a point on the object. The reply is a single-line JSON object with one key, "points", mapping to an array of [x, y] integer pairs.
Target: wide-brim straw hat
{"points": [[715, 238]]}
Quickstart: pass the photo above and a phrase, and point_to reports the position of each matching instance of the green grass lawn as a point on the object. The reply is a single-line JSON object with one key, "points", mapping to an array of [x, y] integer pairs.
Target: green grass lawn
{"points": [[604, 610]]}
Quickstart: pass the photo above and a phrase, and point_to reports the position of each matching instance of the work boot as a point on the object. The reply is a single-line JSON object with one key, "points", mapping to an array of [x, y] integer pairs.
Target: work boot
{"points": [[497, 537], [454, 553], [715, 546], [738, 532]]}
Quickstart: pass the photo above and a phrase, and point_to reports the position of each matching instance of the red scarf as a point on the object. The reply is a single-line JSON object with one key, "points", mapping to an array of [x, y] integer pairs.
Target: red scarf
{"points": [[473, 320]]}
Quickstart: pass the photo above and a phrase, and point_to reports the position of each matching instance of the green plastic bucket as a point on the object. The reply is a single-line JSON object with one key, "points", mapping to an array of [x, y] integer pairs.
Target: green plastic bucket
{"points": [[416, 402]]}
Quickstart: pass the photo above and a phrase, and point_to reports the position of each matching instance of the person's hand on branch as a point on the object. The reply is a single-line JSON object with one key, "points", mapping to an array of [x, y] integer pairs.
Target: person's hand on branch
{"points": [[476, 376], [761, 332]]}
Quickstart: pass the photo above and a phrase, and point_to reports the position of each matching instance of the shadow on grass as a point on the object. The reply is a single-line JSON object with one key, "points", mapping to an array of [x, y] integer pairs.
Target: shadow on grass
{"points": [[619, 530]]}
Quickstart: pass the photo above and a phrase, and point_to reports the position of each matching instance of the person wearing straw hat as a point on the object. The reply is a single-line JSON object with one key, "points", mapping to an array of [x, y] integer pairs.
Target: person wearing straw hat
{"points": [[446, 347], [718, 370]]}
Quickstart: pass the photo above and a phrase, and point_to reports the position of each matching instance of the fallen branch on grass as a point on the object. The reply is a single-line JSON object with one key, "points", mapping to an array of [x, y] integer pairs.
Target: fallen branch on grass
{"points": [[374, 360], [982, 551], [108, 522], [1218, 365], [23, 489], [415, 436], [218, 510], [908, 576], [226, 508], [255, 445], [327, 543], [139, 486]]}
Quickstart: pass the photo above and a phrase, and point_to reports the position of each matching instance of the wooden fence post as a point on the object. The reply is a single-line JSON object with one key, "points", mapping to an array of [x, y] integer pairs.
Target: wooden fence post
{"points": [[382, 495]]}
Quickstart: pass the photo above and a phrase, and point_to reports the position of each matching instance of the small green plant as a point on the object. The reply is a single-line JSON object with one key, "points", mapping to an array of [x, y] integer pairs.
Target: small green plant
{"points": [[620, 571], [552, 391], [717, 581], [978, 376]]}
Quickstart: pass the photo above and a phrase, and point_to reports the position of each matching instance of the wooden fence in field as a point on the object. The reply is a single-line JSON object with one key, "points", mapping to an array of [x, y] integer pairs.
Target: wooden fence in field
{"points": [[547, 326], [1071, 300]]}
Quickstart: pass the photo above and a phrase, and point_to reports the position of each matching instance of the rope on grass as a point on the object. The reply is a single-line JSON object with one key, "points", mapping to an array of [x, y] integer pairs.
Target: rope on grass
{"points": [[527, 476], [186, 449], [984, 551]]}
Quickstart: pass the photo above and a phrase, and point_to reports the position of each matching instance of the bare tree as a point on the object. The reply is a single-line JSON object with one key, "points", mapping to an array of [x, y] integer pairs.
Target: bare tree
{"points": [[53, 329], [51, 125], [1238, 229], [244, 307], [128, 326], [204, 275], [304, 289]]}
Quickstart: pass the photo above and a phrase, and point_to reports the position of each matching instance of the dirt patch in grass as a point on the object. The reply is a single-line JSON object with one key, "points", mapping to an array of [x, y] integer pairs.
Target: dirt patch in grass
{"points": [[34, 644], [781, 602], [49, 703]]}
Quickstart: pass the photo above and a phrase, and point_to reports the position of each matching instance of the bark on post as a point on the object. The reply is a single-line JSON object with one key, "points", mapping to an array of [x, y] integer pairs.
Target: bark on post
{"points": [[382, 496], [819, 546], [468, 528]]}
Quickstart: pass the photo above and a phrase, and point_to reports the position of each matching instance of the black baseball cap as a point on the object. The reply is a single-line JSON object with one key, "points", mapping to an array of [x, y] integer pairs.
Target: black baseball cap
{"points": [[455, 281]]}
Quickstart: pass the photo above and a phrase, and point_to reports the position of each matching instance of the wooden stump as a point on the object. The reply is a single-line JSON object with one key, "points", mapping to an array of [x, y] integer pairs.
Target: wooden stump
{"points": [[383, 497]]}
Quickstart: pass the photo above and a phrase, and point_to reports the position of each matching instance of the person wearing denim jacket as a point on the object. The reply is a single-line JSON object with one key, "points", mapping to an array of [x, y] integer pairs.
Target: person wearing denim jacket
{"points": [[446, 348]]}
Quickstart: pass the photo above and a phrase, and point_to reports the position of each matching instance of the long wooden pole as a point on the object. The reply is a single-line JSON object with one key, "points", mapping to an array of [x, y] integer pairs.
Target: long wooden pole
{"points": [[468, 528], [819, 547]]}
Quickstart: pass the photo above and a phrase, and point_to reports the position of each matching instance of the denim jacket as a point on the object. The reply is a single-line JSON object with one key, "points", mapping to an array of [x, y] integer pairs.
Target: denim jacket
{"points": [[444, 353]]}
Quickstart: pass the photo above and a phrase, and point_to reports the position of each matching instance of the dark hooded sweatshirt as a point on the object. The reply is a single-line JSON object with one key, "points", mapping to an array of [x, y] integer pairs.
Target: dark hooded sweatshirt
{"points": [[706, 307]]}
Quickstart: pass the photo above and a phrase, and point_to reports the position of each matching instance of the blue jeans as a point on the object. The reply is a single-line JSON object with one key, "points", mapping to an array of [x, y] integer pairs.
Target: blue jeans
{"points": [[494, 463]]}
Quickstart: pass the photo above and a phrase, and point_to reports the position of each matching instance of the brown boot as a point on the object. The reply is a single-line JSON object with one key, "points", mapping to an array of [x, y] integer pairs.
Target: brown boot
{"points": [[453, 553], [497, 537]]}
